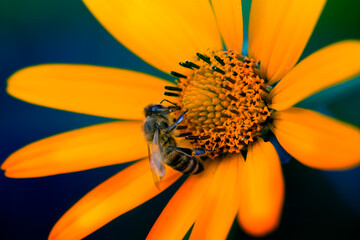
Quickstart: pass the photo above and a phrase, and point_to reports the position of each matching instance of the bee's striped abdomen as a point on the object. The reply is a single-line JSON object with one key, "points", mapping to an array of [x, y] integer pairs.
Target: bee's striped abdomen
{"points": [[183, 162]]}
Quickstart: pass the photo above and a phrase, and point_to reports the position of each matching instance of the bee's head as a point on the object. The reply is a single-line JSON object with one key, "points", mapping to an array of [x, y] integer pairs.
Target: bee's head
{"points": [[154, 109]]}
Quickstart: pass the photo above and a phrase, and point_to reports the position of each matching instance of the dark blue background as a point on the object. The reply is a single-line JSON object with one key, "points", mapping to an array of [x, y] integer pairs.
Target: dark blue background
{"points": [[318, 205]]}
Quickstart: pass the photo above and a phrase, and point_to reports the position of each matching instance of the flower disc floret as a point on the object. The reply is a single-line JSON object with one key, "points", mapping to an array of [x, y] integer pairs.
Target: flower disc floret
{"points": [[226, 102]]}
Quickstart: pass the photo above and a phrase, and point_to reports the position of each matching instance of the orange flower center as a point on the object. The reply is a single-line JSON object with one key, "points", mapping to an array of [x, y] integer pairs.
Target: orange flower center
{"points": [[226, 102]]}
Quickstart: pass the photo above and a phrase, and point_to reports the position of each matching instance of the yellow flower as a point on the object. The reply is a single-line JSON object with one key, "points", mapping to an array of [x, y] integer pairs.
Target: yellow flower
{"points": [[164, 33]]}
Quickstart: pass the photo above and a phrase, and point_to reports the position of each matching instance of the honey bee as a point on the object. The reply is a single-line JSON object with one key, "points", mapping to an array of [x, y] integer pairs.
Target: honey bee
{"points": [[162, 146]]}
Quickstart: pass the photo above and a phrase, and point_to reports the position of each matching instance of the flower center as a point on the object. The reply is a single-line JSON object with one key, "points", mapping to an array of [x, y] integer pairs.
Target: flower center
{"points": [[225, 99]]}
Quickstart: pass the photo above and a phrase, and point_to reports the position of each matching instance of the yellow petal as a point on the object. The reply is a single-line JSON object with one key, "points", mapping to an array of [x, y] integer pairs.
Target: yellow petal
{"points": [[180, 213], [317, 140], [119, 194], [162, 33], [220, 202], [86, 148], [261, 190], [100, 91], [317, 72], [229, 19], [279, 31]]}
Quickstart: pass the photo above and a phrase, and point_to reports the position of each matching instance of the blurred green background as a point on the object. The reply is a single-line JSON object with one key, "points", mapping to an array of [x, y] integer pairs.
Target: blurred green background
{"points": [[318, 204]]}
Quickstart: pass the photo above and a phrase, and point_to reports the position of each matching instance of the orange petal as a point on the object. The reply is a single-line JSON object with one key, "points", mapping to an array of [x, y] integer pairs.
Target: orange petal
{"points": [[162, 33], [180, 213], [261, 190], [317, 140], [119, 194], [86, 148], [279, 31], [229, 19], [100, 91], [220, 202], [317, 72]]}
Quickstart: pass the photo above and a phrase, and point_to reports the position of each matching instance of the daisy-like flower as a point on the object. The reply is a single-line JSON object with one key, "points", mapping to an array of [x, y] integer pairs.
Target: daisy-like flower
{"points": [[232, 102]]}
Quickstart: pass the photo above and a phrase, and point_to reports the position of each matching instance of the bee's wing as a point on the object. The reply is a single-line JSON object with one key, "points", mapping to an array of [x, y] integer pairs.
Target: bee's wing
{"points": [[156, 160]]}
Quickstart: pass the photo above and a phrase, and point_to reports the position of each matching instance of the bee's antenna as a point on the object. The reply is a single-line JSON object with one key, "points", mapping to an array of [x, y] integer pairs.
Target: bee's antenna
{"points": [[165, 100]]}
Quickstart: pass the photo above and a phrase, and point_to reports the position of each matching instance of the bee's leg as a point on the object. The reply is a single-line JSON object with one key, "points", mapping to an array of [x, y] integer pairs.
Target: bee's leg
{"points": [[178, 121], [188, 151], [199, 151]]}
